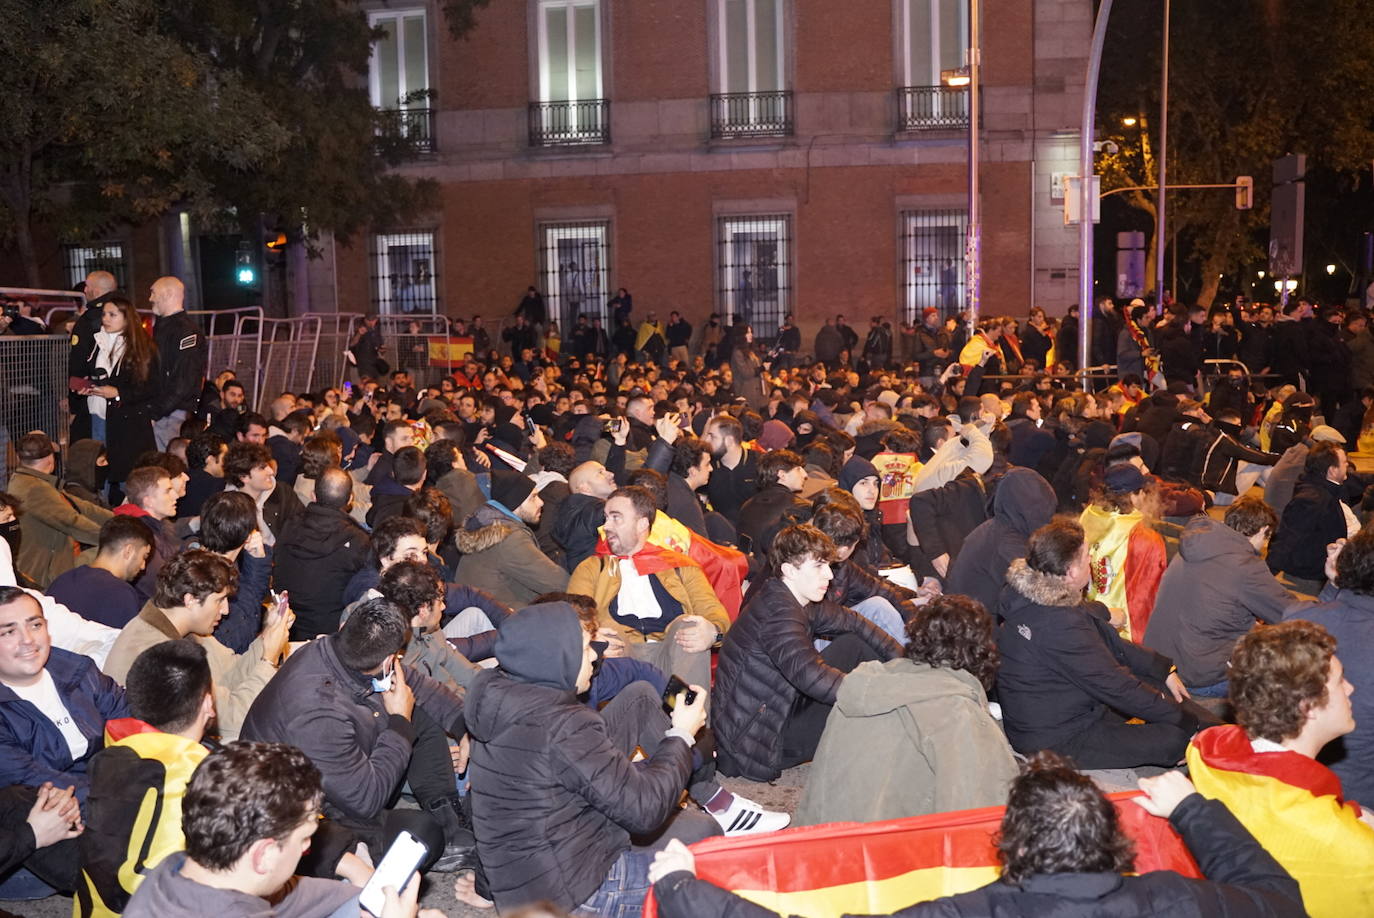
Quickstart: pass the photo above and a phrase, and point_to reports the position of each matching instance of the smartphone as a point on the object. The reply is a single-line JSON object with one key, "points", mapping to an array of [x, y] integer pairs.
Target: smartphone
{"points": [[279, 601], [402, 859], [676, 687], [348, 388]]}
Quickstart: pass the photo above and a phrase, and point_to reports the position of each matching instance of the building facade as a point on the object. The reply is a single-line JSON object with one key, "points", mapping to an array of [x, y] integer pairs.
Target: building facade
{"points": [[748, 157]]}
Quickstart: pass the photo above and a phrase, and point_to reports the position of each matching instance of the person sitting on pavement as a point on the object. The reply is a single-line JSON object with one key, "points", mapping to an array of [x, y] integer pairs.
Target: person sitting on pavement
{"points": [[248, 816], [781, 475], [369, 722], [1127, 556], [251, 469], [53, 703], [1313, 519], [923, 716], [52, 524], [38, 831], [1063, 851], [1213, 592], [559, 806], [101, 591], [500, 555], [583, 511], [774, 690], [229, 528], [1291, 699], [192, 596], [1023, 503], [151, 498], [407, 477], [855, 585], [1346, 611], [205, 468], [317, 554], [153, 752], [657, 602], [1068, 681]]}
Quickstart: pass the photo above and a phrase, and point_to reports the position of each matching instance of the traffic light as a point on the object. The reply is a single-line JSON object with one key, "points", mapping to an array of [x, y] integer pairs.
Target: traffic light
{"points": [[245, 274], [1245, 192]]}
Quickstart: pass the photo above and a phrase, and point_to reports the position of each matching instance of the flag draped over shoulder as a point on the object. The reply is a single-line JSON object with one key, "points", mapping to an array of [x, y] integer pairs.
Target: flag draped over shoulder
{"points": [[877, 868], [1294, 808], [726, 568]]}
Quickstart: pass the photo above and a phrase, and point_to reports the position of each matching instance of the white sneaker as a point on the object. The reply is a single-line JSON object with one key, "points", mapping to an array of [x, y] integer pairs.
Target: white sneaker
{"points": [[745, 817]]}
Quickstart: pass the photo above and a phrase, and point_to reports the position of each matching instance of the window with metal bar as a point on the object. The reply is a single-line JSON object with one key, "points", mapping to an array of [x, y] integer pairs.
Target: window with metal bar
{"points": [[933, 262], [571, 108], [404, 273], [574, 271], [934, 35], [398, 80], [754, 270], [80, 260], [752, 98]]}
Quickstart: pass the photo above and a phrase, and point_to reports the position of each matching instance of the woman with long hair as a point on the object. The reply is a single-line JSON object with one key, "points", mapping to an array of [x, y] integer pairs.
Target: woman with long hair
{"points": [[122, 369]]}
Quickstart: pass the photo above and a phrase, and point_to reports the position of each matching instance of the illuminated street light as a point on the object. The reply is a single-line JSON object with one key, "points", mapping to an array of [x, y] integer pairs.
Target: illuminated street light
{"points": [[1330, 269], [959, 76], [1261, 275], [1278, 286], [1129, 122]]}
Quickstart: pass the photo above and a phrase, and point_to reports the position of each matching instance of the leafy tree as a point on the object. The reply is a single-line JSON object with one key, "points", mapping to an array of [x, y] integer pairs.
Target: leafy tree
{"points": [[91, 92], [1250, 81]]}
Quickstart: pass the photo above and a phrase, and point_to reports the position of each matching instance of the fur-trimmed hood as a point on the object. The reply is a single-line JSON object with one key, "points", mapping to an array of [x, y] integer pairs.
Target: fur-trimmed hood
{"points": [[485, 529], [1041, 589]]}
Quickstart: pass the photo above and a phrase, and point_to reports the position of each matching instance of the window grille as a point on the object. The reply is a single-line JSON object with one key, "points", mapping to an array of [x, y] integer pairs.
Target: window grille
{"points": [[933, 261], [574, 271], [404, 273], [754, 265], [80, 260]]}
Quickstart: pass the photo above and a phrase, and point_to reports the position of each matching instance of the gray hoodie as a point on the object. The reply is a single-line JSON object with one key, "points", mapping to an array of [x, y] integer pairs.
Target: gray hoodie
{"points": [[165, 893], [1210, 595]]}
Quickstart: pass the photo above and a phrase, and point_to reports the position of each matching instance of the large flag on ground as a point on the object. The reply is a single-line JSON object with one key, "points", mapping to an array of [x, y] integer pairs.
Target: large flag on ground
{"points": [[1294, 808], [877, 868]]}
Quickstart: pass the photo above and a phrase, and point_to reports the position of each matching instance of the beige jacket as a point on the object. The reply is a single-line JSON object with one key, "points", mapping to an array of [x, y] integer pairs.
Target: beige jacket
{"points": [[237, 677]]}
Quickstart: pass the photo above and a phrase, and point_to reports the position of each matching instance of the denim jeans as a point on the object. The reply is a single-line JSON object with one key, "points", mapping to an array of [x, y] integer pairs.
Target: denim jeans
{"points": [[98, 428], [1219, 690], [621, 894], [882, 613]]}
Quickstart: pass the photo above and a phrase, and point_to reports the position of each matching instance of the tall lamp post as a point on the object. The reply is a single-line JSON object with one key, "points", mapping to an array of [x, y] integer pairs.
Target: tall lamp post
{"points": [[1085, 188], [968, 76], [1163, 159]]}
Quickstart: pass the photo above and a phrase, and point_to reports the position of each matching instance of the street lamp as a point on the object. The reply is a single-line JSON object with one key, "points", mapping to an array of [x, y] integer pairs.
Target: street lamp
{"points": [[967, 75], [1330, 269], [1129, 122]]}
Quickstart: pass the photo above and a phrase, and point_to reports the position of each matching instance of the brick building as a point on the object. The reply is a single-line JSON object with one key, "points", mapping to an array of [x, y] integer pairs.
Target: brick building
{"points": [[749, 157]]}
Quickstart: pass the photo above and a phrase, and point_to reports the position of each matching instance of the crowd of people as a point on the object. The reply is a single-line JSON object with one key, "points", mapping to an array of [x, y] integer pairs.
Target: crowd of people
{"points": [[535, 612]]}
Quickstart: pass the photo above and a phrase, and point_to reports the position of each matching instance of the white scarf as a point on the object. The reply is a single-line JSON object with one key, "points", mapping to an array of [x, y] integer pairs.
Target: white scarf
{"points": [[109, 353]]}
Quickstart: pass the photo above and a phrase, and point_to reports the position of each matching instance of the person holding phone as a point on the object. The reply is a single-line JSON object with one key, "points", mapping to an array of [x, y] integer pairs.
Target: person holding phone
{"points": [[561, 813]]}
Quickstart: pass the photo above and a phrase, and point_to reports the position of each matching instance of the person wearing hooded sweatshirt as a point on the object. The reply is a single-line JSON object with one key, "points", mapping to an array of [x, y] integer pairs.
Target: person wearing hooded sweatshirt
{"points": [[1214, 591], [500, 554], [1313, 519], [555, 801], [85, 471], [1024, 502]]}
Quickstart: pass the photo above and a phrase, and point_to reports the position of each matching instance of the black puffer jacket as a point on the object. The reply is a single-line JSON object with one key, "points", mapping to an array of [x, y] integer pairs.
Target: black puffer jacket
{"points": [[331, 713], [1243, 881], [760, 517], [553, 800], [768, 658], [1312, 520], [1064, 665], [1024, 503], [854, 582], [317, 552]]}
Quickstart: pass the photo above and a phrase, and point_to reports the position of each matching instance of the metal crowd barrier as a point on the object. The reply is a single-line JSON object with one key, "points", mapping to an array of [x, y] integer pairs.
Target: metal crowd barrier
{"points": [[33, 391]]}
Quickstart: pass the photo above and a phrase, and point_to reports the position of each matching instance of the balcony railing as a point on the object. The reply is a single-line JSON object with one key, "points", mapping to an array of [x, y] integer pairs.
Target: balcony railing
{"points": [[410, 130], [932, 108], [564, 124], [751, 114]]}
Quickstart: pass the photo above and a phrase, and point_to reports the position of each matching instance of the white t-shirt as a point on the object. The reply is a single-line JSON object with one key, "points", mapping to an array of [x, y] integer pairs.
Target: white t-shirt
{"points": [[43, 695], [636, 596]]}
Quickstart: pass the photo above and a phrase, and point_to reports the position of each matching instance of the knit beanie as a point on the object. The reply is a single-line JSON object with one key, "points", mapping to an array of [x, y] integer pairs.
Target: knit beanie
{"points": [[509, 489], [856, 470], [776, 435]]}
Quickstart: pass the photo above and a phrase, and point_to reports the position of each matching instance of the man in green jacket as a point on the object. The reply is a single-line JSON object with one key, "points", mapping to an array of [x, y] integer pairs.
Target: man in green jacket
{"points": [[52, 523]]}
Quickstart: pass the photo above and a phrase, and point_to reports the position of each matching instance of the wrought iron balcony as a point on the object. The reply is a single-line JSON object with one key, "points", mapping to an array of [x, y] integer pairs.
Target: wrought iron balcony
{"points": [[751, 114], [585, 122], [932, 108], [408, 130]]}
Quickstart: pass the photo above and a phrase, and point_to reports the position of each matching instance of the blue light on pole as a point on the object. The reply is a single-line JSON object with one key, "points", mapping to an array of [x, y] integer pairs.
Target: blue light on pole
{"points": [[246, 275]]}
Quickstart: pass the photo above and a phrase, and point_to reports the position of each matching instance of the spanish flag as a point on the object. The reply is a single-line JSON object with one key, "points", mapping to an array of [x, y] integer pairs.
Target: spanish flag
{"points": [[725, 567], [1294, 808], [880, 867], [447, 352]]}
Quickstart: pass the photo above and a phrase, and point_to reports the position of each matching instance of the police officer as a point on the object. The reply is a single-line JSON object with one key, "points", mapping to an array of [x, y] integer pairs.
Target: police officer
{"points": [[182, 353]]}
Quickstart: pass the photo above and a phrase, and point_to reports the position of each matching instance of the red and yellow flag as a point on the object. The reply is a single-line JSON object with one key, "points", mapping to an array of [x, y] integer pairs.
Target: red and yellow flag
{"points": [[877, 868], [448, 353], [1294, 808]]}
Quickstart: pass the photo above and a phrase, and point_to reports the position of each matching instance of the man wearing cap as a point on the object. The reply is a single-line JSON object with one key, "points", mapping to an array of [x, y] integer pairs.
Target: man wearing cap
{"points": [[1127, 556], [1283, 477], [500, 554]]}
